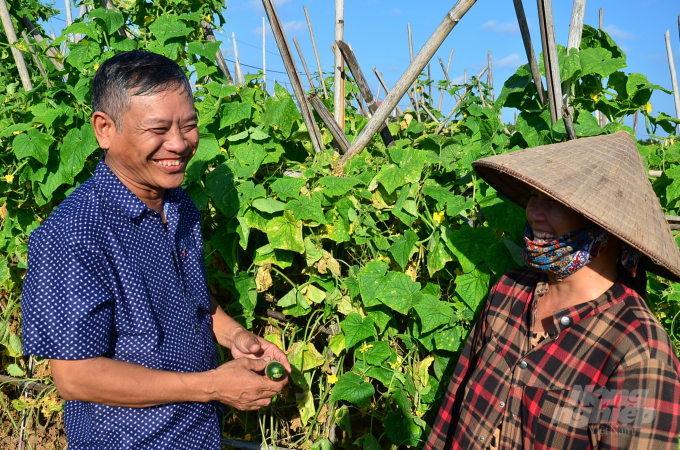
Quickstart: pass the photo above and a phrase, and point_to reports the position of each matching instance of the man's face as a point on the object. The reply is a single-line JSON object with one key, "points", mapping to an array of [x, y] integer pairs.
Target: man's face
{"points": [[159, 137]]}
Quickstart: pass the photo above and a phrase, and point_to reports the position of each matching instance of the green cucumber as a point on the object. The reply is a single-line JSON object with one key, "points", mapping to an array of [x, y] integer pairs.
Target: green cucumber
{"points": [[275, 370]]}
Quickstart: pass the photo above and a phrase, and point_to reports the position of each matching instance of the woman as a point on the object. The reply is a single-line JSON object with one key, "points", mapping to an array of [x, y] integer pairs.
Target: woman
{"points": [[566, 353]]}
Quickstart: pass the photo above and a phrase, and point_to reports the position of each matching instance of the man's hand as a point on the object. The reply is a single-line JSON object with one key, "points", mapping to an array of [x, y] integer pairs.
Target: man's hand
{"points": [[248, 345], [236, 384]]}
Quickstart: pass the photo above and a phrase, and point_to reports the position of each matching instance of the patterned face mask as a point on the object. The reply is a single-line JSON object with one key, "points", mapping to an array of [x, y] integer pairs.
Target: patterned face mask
{"points": [[565, 255]]}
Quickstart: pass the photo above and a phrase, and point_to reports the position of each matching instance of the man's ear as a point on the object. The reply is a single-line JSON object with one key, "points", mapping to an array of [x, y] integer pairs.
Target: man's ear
{"points": [[104, 129]]}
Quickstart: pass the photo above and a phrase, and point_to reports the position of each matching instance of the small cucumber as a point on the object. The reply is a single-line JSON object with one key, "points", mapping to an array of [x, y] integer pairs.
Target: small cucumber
{"points": [[275, 370]]}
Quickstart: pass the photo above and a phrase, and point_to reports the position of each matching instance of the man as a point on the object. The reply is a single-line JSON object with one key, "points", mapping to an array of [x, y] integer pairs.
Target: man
{"points": [[116, 292]]}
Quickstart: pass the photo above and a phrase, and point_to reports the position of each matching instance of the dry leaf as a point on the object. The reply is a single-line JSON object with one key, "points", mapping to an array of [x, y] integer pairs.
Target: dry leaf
{"points": [[263, 279], [296, 424]]}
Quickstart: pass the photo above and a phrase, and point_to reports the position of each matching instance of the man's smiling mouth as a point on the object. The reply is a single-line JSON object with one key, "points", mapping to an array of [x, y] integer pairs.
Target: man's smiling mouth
{"points": [[170, 162]]}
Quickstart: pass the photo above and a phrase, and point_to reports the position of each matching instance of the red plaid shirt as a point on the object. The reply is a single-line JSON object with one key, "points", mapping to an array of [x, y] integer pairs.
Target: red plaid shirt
{"points": [[609, 379]]}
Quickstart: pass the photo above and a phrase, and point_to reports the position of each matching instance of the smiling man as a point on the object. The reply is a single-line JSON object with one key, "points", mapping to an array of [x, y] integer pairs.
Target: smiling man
{"points": [[116, 291]]}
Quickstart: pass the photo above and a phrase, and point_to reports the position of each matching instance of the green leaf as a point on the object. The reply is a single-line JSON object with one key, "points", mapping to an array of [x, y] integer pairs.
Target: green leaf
{"points": [[122, 44], [78, 144], [246, 289], [304, 356], [357, 329], [337, 186], [55, 178], [243, 231], [371, 279], [15, 370], [352, 388], [599, 61], [402, 248], [343, 419], [433, 312], [306, 209], [280, 113], [268, 205], [323, 444], [234, 112], [378, 353], [207, 49], [448, 339], [81, 53], [337, 343], [288, 187], [502, 214], [400, 292], [207, 150], [587, 125], [113, 19], [33, 143], [369, 442], [499, 259], [286, 233], [220, 90], [403, 430], [392, 177], [473, 287], [470, 244], [220, 187], [168, 26], [267, 255]]}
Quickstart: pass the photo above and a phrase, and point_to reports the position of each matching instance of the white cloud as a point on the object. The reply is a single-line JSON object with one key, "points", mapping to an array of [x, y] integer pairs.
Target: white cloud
{"points": [[501, 27], [513, 60], [458, 80], [618, 33], [294, 26]]}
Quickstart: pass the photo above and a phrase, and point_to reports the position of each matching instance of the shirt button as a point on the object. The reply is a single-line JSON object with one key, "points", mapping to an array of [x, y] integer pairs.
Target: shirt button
{"points": [[481, 438], [513, 415], [523, 364], [502, 404], [565, 321], [197, 328]]}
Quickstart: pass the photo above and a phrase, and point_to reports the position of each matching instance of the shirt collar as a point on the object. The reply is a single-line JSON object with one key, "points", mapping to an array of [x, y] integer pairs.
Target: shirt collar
{"points": [[129, 204]]}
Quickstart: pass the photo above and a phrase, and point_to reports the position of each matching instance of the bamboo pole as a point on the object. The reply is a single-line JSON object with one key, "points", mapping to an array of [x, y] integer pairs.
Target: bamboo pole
{"points": [[674, 77], [35, 58], [414, 69], [387, 91], [331, 124], [414, 97], [601, 118], [304, 65], [293, 74], [489, 79], [264, 57], [552, 68], [446, 75], [529, 48], [465, 77], [339, 85], [12, 39], [429, 82], [429, 113], [601, 22], [364, 88], [316, 54], [221, 63], [240, 79], [574, 41], [69, 18], [449, 115], [377, 96], [81, 13], [635, 122]]}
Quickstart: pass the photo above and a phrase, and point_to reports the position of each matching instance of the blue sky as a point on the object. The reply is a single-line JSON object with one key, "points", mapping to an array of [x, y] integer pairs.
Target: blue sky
{"points": [[377, 31]]}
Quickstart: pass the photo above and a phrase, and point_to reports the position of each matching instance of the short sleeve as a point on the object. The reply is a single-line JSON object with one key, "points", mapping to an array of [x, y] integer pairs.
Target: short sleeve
{"points": [[68, 312]]}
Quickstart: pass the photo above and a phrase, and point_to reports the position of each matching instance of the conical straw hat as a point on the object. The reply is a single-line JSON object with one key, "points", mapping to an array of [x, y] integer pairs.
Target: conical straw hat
{"points": [[603, 178]]}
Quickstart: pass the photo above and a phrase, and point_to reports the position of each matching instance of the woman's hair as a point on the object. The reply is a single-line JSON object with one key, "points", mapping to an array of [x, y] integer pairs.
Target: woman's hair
{"points": [[637, 282]]}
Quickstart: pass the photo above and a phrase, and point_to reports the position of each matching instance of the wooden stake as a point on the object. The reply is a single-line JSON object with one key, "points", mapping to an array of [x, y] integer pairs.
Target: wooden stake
{"points": [[490, 77], [414, 97], [446, 75], [331, 124], [674, 77], [552, 69], [443, 123], [387, 91], [339, 90], [264, 58], [429, 113], [35, 58], [81, 13], [304, 65], [377, 96], [221, 63], [451, 19], [69, 18], [316, 54], [240, 79], [12, 39], [635, 122], [465, 77], [429, 82], [601, 22], [293, 74], [529, 49], [575, 34], [365, 90]]}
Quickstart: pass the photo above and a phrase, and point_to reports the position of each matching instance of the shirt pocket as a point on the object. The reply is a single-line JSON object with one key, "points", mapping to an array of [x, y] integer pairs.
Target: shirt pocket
{"points": [[562, 418]]}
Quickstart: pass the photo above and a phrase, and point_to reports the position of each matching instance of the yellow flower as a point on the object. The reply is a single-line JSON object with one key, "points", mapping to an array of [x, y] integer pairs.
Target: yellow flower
{"points": [[649, 108], [208, 19], [383, 258], [16, 132], [464, 116], [198, 86], [393, 365], [419, 413], [351, 228], [332, 379], [438, 217], [458, 272], [9, 178], [223, 150], [594, 96], [96, 67], [247, 437], [149, 19], [365, 348], [346, 119]]}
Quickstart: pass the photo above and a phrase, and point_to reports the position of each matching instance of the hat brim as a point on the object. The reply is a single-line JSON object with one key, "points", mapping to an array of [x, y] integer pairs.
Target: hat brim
{"points": [[517, 188]]}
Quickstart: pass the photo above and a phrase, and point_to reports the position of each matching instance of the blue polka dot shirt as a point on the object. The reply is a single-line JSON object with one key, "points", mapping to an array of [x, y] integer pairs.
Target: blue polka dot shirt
{"points": [[106, 278]]}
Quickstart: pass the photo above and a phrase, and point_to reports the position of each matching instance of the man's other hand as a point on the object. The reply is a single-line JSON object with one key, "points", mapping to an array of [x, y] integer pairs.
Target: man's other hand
{"points": [[248, 345], [236, 384]]}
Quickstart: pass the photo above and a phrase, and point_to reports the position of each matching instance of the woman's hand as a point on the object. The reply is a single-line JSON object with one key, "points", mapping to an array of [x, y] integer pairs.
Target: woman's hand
{"points": [[245, 344]]}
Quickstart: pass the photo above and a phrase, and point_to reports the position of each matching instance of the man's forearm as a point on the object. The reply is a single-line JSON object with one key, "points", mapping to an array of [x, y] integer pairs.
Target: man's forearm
{"points": [[224, 327], [118, 383]]}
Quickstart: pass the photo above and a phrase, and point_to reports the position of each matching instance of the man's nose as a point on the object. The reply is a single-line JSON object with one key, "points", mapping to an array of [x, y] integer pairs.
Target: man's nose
{"points": [[175, 141], [536, 211]]}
